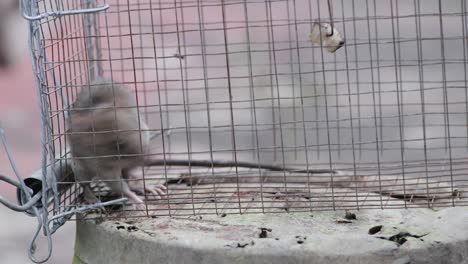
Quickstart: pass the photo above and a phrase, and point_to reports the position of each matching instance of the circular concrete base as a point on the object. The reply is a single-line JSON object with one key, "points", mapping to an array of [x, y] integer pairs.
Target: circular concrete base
{"points": [[375, 236]]}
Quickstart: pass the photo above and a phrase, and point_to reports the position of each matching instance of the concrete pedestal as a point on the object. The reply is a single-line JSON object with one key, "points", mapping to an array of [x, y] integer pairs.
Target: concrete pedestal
{"points": [[375, 236]]}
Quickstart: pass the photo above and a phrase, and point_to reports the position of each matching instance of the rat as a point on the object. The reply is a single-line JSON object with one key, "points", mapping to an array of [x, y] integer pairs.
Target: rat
{"points": [[107, 139]]}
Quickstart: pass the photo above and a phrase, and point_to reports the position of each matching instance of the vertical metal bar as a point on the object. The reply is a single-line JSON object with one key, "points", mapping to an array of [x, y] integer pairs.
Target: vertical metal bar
{"points": [[143, 67], [358, 85], [301, 94], [273, 112], [445, 98], [253, 100], [97, 43], [293, 86], [164, 67], [45, 65], [45, 98], [65, 101], [464, 43], [113, 97], [231, 109], [143, 82], [84, 74], [350, 107], [37, 49], [316, 103], [185, 105], [89, 68], [417, 18], [400, 66], [120, 33], [400, 124], [283, 159], [337, 108], [379, 82], [161, 119], [135, 80], [201, 26], [89, 42], [330, 160], [185, 71], [59, 100], [376, 127]]}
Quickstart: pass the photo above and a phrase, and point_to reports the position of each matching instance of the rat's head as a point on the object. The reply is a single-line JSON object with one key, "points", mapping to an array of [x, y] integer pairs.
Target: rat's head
{"points": [[102, 91], [327, 35]]}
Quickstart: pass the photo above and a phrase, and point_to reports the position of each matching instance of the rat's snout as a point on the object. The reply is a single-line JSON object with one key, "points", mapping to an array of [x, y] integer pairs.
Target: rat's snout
{"points": [[341, 43]]}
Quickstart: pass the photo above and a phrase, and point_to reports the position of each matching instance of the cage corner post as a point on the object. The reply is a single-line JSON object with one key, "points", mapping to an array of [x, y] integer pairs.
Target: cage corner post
{"points": [[92, 41]]}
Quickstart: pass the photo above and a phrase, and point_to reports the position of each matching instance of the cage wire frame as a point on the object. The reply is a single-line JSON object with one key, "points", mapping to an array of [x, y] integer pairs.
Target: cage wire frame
{"points": [[241, 80]]}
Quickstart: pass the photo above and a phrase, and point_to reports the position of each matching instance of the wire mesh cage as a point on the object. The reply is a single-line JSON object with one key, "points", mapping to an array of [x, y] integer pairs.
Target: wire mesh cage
{"points": [[241, 80]]}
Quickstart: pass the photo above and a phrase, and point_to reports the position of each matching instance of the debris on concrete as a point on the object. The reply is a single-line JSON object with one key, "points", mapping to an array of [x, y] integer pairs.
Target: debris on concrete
{"points": [[264, 232], [375, 229], [240, 244], [401, 237], [301, 239], [425, 236], [343, 221], [350, 216]]}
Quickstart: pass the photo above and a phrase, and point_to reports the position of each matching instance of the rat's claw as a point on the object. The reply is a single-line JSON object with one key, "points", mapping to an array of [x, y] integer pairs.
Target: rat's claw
{"points": [[90, 200], [140, 207], [158, 190], [161, 189], [150, 190], [153, 192]]}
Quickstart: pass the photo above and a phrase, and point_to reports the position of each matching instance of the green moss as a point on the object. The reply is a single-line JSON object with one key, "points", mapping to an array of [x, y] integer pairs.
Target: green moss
{"points": [[76, 259]]}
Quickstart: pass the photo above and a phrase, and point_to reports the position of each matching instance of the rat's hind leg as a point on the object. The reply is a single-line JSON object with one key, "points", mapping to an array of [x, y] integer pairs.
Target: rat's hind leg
{"points": [[158, 190], [83, 178], [88, 194], [121, 187]]}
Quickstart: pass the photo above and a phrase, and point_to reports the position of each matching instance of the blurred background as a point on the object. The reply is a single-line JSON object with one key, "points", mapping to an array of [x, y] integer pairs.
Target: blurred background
{"points": [[19, 117], [180, 62]]}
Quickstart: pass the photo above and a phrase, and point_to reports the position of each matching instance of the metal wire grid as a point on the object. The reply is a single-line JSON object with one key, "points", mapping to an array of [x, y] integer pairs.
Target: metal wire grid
{"points": [[240, 80]]}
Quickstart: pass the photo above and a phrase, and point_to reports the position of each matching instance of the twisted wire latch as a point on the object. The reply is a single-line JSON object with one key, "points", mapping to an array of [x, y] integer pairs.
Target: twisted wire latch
{"points": [[34, 196]]}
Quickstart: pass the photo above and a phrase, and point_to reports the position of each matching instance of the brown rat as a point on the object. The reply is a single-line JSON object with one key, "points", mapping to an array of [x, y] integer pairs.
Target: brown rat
{"points": [[107, 139]]}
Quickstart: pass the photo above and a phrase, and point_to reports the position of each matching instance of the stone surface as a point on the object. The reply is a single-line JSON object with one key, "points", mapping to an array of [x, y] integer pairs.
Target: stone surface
{"points": [[407, 236]]}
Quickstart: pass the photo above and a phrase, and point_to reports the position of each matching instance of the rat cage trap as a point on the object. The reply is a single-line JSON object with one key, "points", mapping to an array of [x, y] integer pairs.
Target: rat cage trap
{"points": [[258, 106]]}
